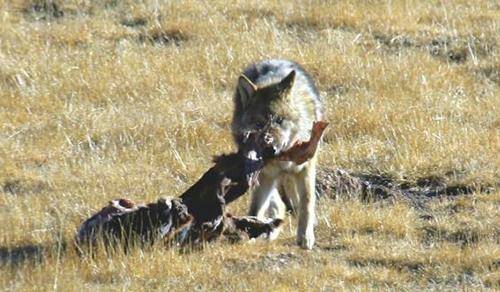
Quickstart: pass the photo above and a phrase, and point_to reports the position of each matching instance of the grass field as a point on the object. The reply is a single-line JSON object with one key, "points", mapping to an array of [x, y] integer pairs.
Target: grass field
{"points": [[123, 98]]}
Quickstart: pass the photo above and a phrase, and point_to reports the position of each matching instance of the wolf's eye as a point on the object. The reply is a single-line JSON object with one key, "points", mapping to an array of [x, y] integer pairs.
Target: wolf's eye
{"points": [[279, 120], [259, 125]]}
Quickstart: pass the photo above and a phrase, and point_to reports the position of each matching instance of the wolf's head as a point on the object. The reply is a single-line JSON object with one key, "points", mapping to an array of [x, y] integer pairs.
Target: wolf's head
{"points": [[269, 109]]}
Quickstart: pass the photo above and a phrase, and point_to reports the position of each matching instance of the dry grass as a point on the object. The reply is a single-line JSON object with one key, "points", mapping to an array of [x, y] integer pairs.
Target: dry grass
{"points": [[122, 98]]}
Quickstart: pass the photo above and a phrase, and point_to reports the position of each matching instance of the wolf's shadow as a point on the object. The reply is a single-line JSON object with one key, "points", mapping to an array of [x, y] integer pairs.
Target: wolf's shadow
{"points": [[14, 256], [29, 253]]}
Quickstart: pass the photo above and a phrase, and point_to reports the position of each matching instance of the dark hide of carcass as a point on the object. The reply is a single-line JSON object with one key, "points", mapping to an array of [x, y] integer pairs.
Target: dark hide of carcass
{"points": [[125, 223]]}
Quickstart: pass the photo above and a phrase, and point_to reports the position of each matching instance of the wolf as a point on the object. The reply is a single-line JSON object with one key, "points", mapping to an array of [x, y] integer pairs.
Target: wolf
{"points": [[280, 98]]}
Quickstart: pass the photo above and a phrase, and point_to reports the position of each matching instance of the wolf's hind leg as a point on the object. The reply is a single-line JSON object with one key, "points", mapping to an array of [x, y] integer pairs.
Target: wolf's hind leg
{"points": [[288, 192], [277, 210], [261, 196]]}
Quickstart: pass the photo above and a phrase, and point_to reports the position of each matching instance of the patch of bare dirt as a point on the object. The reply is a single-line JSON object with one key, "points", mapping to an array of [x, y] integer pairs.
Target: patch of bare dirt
{"points": [[173, 36], [279, 261], [270, 261], [492, 73], [451, 49], [134, 22], [399, 264], [43, 10], [18, 186], [251, 15], [336, 183], [465, 236], [394, 41]]}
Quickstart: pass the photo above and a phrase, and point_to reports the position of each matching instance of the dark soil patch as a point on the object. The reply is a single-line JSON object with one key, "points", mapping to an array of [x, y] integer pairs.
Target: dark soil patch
{"points": [[164, 37], [44, 10], [336, 182], [279, 261], [492, 73], [251, 15], [308, 24], [333, 248], [337, 90], [109, 4], [451, 49], [448, 49], [426, 217], [270, 262], [494, 265], [396, 41], [399, 264], [134, 22], [23, 186], [369, 187], [465, 236]]}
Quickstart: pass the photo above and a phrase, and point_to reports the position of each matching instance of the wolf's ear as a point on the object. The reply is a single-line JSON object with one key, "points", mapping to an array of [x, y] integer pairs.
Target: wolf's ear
{"points": [[287, 82], [246, 89]]}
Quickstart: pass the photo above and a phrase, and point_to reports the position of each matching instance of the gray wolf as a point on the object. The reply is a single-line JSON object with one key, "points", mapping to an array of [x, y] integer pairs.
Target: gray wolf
{"points": [[280, 98]]}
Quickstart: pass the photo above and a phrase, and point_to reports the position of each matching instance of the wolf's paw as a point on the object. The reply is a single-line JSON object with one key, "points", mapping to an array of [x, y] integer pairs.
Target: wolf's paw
{"points": [[306, 241], [274, 234]]}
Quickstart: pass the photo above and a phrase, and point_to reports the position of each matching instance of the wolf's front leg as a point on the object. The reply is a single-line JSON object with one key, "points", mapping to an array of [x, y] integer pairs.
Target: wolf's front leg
{"points": [[306, 184]]}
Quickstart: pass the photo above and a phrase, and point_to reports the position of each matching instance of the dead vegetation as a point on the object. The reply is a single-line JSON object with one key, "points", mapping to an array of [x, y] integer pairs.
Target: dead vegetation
{"points": [[100, 99]]}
